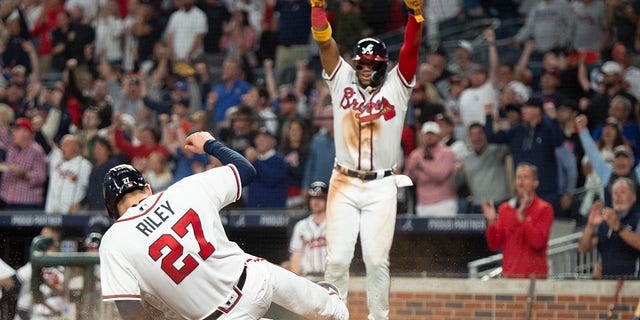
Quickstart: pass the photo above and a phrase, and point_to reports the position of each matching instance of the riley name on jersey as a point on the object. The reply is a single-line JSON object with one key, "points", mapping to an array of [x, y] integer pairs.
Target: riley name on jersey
{"points": [[154, 220]]}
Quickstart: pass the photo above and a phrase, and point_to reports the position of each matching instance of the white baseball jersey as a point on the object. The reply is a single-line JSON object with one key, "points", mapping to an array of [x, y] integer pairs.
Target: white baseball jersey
{"points": [[53, 276], [68, 182], [367, 126], [173, 247], [309, 238]]}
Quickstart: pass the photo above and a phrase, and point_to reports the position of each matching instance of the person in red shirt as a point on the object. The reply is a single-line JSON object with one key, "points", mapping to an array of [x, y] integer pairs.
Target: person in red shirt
{"points": [[138, 153], [521, 227]]}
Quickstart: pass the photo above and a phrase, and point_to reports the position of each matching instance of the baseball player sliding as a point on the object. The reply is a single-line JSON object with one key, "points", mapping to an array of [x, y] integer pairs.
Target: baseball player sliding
{"points": [[369, 106], [170, 249]]}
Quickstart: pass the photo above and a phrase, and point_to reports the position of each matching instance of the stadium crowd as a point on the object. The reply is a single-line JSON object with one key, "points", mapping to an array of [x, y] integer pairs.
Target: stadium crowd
{"points": [[88, 84]]}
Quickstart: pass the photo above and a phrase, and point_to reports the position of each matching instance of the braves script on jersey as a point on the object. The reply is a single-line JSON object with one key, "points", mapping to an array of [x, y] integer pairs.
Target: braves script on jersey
{"points": [[176, 239], [309, 238], [359, 115]]}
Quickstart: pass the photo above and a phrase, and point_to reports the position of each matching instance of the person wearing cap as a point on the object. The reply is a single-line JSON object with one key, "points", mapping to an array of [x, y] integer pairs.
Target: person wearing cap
{"points": [[483, 89], [614, 85], [533, 140], [462, 64], [615, 231], [432, 169], [622, 166], [307, 246], [269, 187], [25, 169]]}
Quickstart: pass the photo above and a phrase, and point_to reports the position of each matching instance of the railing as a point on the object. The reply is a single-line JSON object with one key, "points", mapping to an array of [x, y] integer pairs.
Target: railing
{"points": [[563, 257]]}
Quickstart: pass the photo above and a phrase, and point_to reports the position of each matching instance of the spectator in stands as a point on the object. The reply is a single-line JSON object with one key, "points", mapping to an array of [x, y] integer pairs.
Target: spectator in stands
{"points": [[109, 29], [217, 16], [90, 130], [239, 39], [432, 169], [617, 239], [548, 24], [242, 132], [294, 145], [293, 37], [322, 151], [229, 92], [442, 14], [186, 162], [307, 246], [103, 160], [157, 173], [185, 32], [549, 83], [149, 142], [69, 175], [621, 110], [269, 187], [483, 88], [621, 25], [588, 25], [599, 102], [73, 39], [461, 64], [534, 140], [259, 99], [566, 115], [42, 29], [622, 165], [484, 170], [23, 181], [521, 227], [147, 29], [18, 51], [349, 25], [129, 98], [448, 138], [624, 57]]}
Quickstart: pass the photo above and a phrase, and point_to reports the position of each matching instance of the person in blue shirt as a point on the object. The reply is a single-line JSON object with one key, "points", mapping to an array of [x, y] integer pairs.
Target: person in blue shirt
{"points": [[229, 92], [269, 187]]}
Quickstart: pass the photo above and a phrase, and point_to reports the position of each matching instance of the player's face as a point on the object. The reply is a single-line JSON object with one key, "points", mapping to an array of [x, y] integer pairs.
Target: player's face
{"points": [[365, 70], [317, 204]]}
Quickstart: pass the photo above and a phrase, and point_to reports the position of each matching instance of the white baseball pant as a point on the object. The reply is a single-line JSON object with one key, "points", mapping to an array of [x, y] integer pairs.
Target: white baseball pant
{"points": [[368, 208]]}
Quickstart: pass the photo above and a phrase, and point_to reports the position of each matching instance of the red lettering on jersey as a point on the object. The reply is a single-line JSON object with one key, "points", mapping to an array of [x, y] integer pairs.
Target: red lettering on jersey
{"points": [[370, 111]]}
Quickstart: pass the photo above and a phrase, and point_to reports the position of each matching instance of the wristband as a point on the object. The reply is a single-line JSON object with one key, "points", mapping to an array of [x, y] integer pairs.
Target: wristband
{"points": [[323, 35]]}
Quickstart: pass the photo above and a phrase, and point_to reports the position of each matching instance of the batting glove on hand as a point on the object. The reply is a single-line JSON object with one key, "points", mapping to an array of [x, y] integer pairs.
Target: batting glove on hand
{"points": [[317, 3], [413, 4]]}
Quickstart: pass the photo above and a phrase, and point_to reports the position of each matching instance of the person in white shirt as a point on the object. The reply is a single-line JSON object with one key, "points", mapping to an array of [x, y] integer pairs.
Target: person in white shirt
{"points": [[185, 31], [69, 175]]}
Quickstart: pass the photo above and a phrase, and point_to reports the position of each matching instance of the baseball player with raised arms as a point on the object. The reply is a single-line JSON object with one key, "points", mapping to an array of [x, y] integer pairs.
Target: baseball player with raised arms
{"points": [[369, 107], [171, 250]]}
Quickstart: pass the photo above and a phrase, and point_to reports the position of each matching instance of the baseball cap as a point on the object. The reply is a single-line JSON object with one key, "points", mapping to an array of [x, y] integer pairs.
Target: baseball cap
{"points": [[623, 150], [19, 69], [431, 126], [318, 189], [611, 67], [181, 85], [569, 104], [23, 123], [266, 132], [465, 44]]}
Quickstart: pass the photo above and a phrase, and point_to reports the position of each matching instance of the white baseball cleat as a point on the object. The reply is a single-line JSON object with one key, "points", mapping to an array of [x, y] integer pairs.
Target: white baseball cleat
{"points": [[331, 288]]}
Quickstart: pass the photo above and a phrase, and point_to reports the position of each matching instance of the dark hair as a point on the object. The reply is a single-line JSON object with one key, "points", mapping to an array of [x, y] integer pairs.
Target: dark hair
{"points": [[285, 146]]}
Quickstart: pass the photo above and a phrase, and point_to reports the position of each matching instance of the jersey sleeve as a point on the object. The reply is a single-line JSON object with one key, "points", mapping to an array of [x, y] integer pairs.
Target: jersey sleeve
{"points": [[117, 279], [340, 77], [221, 185]]}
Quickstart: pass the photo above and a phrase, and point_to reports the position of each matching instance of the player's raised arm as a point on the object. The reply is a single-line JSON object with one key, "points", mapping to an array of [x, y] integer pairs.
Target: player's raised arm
{"points": [[321, 31], [204, 142], [408, 60]]}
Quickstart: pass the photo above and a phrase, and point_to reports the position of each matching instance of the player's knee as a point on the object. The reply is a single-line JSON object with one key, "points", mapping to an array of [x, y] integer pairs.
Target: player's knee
{"points": [[376, 262]]}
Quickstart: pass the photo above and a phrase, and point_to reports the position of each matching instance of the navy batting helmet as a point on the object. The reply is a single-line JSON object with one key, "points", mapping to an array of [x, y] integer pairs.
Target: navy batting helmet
{"points": [[373, 50], [119, 181], [318, 189]]}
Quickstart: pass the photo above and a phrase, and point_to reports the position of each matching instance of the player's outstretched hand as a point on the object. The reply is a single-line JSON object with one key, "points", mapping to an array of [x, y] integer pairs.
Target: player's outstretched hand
{"points": [[195, 141]]}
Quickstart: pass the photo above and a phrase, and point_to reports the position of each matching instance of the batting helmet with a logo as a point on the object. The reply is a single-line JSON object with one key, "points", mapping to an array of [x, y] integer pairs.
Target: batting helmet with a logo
{"points": [[375, 51], [119, 181]]}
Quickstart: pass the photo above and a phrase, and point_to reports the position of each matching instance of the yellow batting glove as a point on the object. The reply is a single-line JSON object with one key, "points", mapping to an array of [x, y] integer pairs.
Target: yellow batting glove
{"points": [[317, 3], [415, 8]]}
